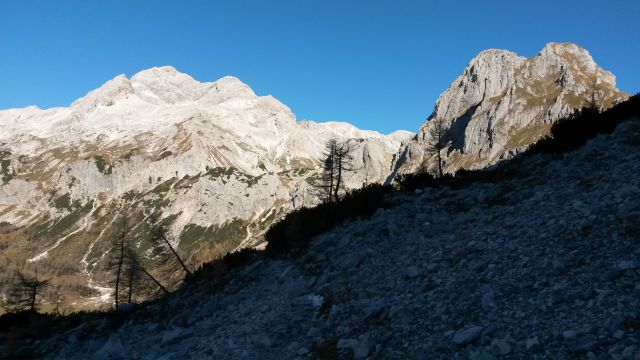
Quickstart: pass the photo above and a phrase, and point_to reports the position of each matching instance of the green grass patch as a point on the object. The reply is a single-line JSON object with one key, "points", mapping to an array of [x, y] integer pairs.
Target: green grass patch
{"points": [[164, 186], [63, 202], [5, 165], [194, 235], [225, 173], [102, 165], [165, 154], [65, 223], [131, 195]]}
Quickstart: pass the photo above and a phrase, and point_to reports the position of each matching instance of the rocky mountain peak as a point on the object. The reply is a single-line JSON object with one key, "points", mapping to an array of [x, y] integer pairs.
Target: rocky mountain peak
{"points": [[106, 95], [502, 103], [166, 85], [226, 88], [567, 52]]}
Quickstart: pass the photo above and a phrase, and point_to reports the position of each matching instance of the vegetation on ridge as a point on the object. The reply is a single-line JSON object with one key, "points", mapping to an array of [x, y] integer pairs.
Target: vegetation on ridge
{"points": [[567, 135]]}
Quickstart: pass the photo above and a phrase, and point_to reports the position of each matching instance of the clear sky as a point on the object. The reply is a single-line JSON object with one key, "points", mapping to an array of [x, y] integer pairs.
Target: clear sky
{"points": [[378, 64]]}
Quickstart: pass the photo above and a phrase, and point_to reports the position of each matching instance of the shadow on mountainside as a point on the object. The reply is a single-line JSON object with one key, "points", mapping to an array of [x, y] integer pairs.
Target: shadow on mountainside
{"points": [[566, 135]]}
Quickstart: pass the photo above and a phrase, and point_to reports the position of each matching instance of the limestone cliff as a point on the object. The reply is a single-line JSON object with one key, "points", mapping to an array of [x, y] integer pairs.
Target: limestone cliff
{"points": [[503, 102]]}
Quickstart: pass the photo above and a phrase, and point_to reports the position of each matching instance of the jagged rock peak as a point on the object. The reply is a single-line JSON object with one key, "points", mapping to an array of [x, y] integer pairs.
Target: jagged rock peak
{"points": [[117, 88], [565, 50], [164, 85], [503, 102], [167, 85], [231, 86]]}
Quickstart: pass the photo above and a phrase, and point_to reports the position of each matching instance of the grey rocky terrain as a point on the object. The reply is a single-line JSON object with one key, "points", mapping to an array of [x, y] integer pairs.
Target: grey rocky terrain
{"points": [[544, 263], [502, 103]]}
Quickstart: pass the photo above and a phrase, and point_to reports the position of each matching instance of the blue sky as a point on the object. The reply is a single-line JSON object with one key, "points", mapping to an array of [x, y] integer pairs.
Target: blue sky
{"points": [[378, 64]]}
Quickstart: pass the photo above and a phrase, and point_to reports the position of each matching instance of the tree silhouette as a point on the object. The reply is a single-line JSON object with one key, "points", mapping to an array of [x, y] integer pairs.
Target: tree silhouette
{"points": [[328, 170], [24, 292], [119, 245], [338, 158], [160, 236], [127, 265], [436, 142]]}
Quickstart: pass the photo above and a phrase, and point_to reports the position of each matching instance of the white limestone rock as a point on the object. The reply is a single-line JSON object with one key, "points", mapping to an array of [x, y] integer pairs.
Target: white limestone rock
{"points": [[502, 103]]}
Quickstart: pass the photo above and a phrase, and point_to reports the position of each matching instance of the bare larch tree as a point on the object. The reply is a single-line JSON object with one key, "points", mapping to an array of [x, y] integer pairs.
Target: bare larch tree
{"points": [[436, 142], [161, 236], [24, 292], [338, 159], [343, 163], [120, 238], [134, 262], [56, 298], [328, 170], [127, 265]]}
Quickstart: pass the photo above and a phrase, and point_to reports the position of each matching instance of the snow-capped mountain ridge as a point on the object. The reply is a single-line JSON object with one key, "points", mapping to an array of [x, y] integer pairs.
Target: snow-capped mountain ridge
{"points": [[216, 161]]}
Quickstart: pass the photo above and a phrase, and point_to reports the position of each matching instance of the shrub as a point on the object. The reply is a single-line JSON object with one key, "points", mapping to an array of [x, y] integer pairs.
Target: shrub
{"points": [[574, 131], [298, 227], [566, 135], [420, 180]]}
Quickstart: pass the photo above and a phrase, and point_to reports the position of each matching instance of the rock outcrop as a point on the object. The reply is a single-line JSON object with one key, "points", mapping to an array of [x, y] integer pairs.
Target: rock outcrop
{"points": [[502, 103]]}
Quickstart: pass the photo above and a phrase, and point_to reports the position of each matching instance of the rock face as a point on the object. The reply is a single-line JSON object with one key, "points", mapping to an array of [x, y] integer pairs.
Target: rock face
{"points": [[502, 103], [218, 163]]}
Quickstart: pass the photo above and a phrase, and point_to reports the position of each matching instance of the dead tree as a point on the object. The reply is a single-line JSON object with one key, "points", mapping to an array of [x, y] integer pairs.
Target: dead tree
{"points": [[24, 292], [436, 142], [135, 263], [160, 235], [343, 163], [338, 158], [328, 170], [126, 264], [56, 298], [131, 274], [119, 246]]}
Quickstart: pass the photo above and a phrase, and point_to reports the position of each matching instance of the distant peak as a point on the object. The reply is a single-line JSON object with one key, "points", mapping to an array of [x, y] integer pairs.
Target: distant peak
{"points": [[564, 49], [165, 84], [106, 95], [157, 71], [229, 80], [231, 86], [564, 46], [493, 56], [160, 74], [490, 53]]}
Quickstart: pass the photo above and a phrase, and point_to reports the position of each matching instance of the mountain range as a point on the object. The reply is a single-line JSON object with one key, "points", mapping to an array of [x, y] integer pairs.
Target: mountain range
{"points": [[219, 164]]}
